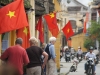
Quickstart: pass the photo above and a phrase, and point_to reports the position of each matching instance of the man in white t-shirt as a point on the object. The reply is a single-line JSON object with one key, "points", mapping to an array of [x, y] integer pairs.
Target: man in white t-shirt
{"points": [[92, 55]]}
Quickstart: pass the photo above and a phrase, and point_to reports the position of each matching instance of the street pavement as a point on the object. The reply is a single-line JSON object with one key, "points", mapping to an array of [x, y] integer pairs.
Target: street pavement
{"points": [[80, 70]]}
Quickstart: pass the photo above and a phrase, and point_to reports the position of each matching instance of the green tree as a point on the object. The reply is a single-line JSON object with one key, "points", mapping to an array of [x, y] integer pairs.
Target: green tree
{"points": [[94, 31], [88, 42]]}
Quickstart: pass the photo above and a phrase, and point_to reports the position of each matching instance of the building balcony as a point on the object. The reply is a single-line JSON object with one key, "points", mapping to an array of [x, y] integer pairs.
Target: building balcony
{"points": [[51, 6], [26, 3], [39, 7]]}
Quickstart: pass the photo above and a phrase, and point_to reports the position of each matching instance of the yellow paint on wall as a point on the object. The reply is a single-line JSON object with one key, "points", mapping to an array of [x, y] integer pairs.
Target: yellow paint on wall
{"points": [[78, 40], [57, 48], [12, 37], [58, 41], [57, 5]]}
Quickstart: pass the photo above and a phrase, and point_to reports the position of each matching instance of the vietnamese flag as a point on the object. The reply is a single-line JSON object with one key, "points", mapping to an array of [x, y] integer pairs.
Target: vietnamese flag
{"points": [[25, 35], [39, 27], [85, 22], [12, 17], [52, 23], [84, 30], [67, 30]]}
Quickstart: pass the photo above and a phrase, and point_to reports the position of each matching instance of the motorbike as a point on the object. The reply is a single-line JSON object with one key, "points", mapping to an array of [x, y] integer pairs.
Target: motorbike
{"points": [[97, 59], [73, 68], [67, 56], [72, 56], [79, 57], [90, 65]]}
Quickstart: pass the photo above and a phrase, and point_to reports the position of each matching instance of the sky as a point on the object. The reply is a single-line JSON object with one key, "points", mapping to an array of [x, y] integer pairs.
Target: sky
{"points": [[85, 2]]}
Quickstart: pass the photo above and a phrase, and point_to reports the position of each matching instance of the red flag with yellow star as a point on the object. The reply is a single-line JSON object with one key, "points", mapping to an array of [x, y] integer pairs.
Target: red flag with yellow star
{"points": [[25, 35], [39, 27], [67, 30], [12, 16], [52, 23], [85, 22]]}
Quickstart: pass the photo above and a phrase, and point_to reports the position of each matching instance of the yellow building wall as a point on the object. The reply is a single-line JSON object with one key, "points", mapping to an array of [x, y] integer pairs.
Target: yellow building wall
{"points": [[57, 5], [78, 40], [12, 38], [57, 48]]}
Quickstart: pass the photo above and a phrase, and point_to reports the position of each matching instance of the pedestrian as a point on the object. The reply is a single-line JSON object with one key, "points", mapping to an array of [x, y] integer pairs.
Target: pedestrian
{"points": [[42, 59], [51, 64], [34, 53], [16, 56], [44, 46]]}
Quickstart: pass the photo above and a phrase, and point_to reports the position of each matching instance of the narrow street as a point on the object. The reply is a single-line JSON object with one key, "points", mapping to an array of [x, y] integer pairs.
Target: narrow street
{"points": [[80, 71]]}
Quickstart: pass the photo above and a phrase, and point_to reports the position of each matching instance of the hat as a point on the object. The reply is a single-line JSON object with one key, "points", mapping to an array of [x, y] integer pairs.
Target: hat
{"points": [[79, 47], [66, 47], [91, 48], [72, 48]]}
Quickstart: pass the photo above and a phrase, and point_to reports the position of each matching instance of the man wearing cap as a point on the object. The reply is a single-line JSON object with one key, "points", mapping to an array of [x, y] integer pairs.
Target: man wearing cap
{"points": [[90, 54]]}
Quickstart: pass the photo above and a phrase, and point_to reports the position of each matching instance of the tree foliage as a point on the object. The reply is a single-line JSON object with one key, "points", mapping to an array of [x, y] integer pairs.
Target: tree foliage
{"points": [[88, 42], [94, 31]]}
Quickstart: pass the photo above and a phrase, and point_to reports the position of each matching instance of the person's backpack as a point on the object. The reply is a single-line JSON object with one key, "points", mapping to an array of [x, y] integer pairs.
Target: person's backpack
{"points": [[47, 51]]}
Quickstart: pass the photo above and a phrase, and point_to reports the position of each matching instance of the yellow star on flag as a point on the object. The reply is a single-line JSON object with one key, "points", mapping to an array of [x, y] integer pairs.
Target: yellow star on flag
{"points": [[68, 30], [42, 30], [51, 15], [25, 31], [11, 14]]}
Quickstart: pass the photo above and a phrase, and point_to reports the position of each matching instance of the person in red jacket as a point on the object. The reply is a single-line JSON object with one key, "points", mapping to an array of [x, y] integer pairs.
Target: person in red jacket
{"points": [[16, 56]]}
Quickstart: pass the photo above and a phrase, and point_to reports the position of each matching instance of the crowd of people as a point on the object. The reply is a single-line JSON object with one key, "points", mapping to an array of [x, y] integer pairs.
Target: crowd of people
{"points": [[35, 59], [38, 60]]}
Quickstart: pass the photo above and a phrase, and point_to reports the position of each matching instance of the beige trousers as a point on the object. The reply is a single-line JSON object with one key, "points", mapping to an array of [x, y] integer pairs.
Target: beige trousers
{"points": [[51, 68], [34, 71]]}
